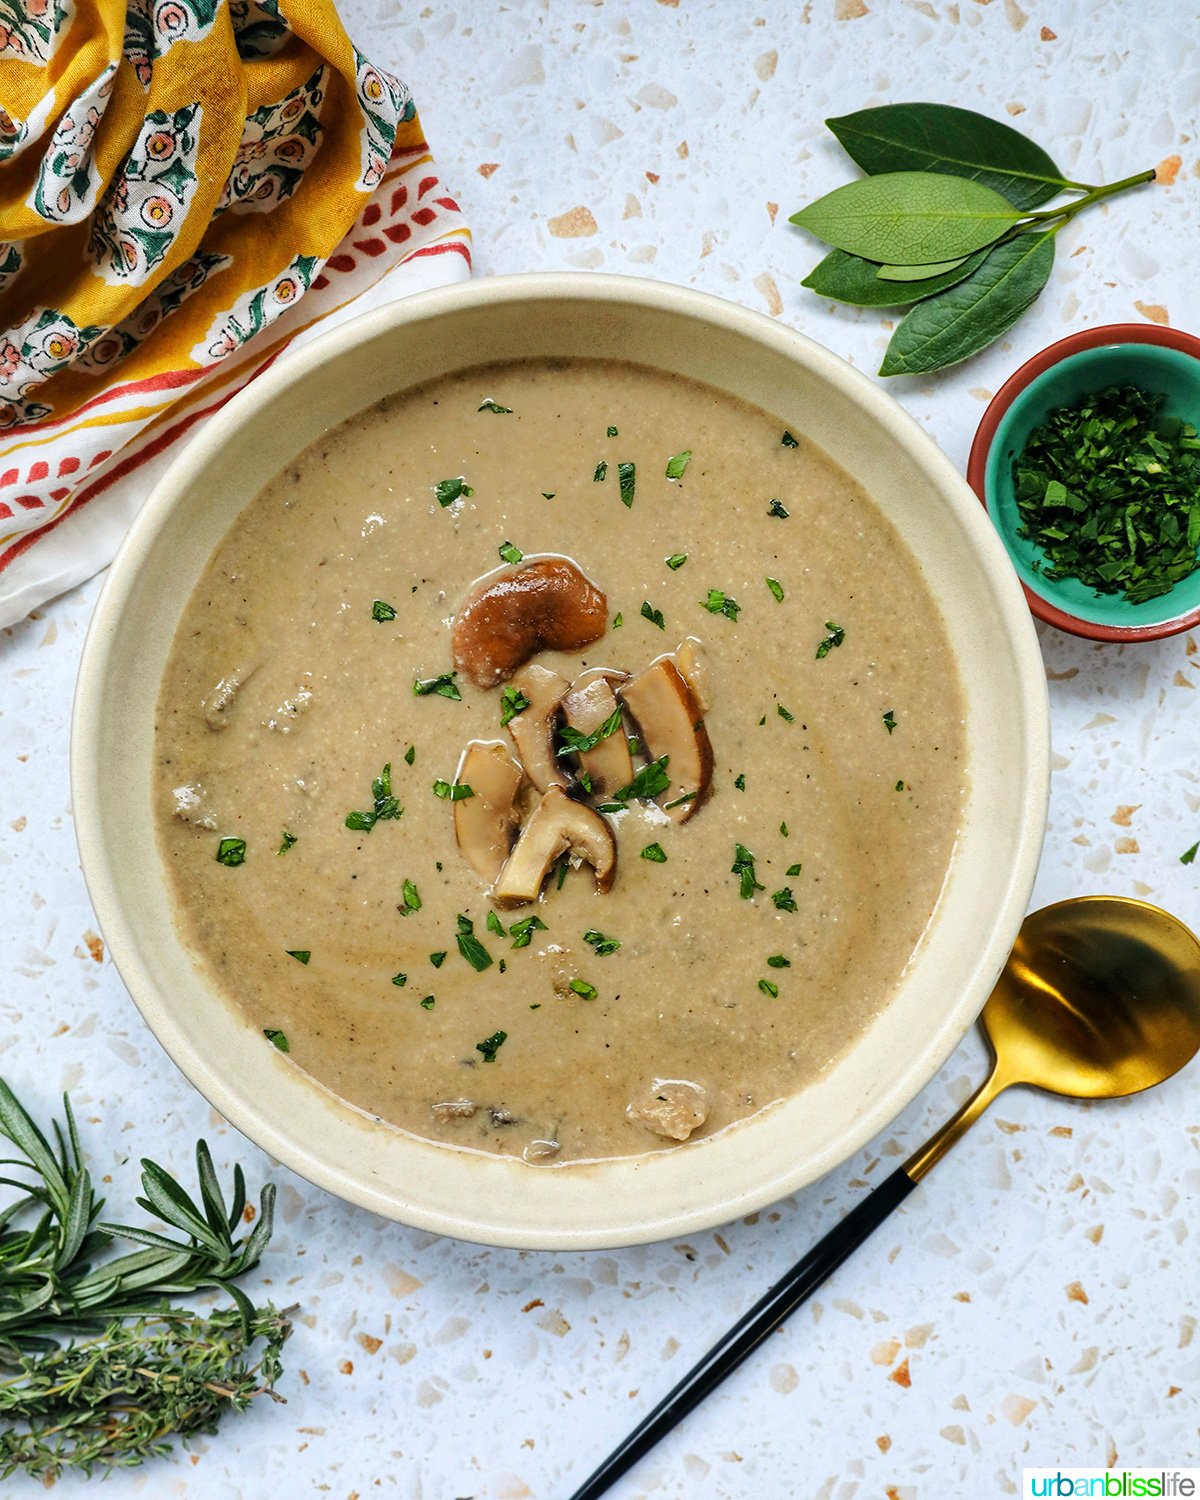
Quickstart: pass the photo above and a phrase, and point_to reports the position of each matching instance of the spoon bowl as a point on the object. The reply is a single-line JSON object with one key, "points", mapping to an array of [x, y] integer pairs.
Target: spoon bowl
{"points": [[1100, 998]]}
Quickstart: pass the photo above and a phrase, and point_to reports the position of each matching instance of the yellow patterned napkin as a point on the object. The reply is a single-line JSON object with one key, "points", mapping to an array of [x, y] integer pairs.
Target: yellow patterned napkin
{"points": [[186, 187]]}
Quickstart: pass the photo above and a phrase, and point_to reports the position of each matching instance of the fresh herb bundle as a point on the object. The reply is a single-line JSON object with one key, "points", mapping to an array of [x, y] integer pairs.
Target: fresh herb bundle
{"points": [[106, 1371], [948, 220], [1109, 489]]}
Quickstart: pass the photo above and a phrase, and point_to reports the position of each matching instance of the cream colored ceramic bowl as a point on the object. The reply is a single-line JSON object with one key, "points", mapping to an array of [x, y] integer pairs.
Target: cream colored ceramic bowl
{"points": [[476, 1197]]}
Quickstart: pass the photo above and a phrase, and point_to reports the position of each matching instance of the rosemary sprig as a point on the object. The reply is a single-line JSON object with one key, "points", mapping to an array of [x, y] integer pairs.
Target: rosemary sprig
{"points": [[146, 1371]]}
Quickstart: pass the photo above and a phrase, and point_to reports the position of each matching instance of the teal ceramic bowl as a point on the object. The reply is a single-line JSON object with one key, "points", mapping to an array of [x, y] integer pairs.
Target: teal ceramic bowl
{"points": [[1159, 360]]}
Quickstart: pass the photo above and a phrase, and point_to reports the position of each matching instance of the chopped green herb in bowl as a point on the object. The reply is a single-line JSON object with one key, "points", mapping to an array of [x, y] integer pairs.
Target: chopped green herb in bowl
{"points": [[1088, 461]]}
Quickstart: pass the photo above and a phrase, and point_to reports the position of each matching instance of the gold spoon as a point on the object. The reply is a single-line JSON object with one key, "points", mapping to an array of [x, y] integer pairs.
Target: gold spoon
{"points": [[1100, 998]]}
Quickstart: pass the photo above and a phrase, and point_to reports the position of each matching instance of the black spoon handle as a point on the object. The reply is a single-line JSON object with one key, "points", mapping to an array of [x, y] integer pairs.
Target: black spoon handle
{"points": [[795, 1287]]}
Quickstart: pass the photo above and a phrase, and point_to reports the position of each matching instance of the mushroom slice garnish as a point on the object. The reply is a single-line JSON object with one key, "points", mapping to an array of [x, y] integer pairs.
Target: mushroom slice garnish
{"points": [[558, 826], [485, 823], [533, 728], [589, 707], [672, 724], [689, 658], [547, 604], [670, 1107]]}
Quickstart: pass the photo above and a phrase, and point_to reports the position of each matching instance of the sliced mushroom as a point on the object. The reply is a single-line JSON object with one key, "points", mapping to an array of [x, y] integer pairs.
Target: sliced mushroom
{"points": [[544, 605], [689, 658], [558, 826], [670, 1107], [454, 1109], [218, 704], [589, 704], [533, 728], [485, 824], [672, 724]]}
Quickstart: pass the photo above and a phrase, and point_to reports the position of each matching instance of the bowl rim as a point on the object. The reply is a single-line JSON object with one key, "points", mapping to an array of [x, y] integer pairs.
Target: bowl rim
{"points": [[97, 861], [997, 409]]}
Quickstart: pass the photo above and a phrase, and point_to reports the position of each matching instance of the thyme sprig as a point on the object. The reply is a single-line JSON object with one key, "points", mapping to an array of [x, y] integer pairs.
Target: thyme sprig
{"points": [[107, 1369]]}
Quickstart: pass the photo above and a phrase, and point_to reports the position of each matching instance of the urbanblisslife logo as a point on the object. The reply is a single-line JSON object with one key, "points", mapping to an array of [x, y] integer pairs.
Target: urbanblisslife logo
{"points": [[1120, 1484]]}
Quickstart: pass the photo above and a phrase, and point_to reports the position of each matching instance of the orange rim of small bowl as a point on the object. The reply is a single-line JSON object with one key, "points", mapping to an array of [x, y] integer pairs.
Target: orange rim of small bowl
{"points": [[1053, 354]]}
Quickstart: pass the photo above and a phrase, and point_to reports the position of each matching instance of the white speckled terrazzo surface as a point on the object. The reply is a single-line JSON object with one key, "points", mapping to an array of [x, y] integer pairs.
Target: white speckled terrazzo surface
{"points": [[1037, 1301]]}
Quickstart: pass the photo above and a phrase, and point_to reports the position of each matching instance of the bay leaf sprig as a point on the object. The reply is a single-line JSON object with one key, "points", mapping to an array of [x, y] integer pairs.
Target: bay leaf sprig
{"points": [[948, 222]]}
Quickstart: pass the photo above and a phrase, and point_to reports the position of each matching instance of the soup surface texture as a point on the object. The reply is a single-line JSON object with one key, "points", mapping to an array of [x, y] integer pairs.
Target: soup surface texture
{"points": [[308, 739]]}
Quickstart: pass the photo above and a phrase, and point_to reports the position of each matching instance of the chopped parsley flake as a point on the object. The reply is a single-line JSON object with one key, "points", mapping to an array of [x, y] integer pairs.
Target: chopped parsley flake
{"points": [[585, 781], [438, 959], [583, 989], [494, 924], [889, 721], [655, 853], [769, 987], [655, 616], [576, 742], [789, 441], [835, 638], [618, 620], [677, 464], [412, 899], [450, 490], [511, 554], [231, 852], [495, 407], [428, 1002], [601, 472], [288, 840], [626, 474], [470, 947], [777, 961], [676, 561], [1190, 855], [783, 713], [399, 980], [512, 702], [778, 509], [718, 603], [444, 686], [740, 782], [650, 781], [276, 1038], [776, 588], [899, 786], [386, 807], [522, 932], [301, 955], [680, 801], [783, 829], [600, 944], [784, 900], [381, 611], [548, 494], [743, 867], [793, 871], [491, 1045], [612, 432], [453, 791]]}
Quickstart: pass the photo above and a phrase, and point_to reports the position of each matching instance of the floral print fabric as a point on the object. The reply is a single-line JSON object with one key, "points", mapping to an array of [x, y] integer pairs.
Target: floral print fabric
{"points": [[185, 187]]}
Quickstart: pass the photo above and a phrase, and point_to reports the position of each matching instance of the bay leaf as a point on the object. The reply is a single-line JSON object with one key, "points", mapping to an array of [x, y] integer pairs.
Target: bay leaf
{"points": [[908, 218], [849, 278], [954, 324], [918, 273], [944, 138]]}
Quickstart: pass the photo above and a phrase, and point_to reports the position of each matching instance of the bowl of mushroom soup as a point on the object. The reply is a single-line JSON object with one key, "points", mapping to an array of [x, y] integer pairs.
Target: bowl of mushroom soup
{"points": [[588, 755]]}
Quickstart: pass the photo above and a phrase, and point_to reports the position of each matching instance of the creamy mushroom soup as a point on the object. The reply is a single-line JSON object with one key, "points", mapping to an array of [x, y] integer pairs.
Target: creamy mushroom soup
{"points": [[561, 759]]}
